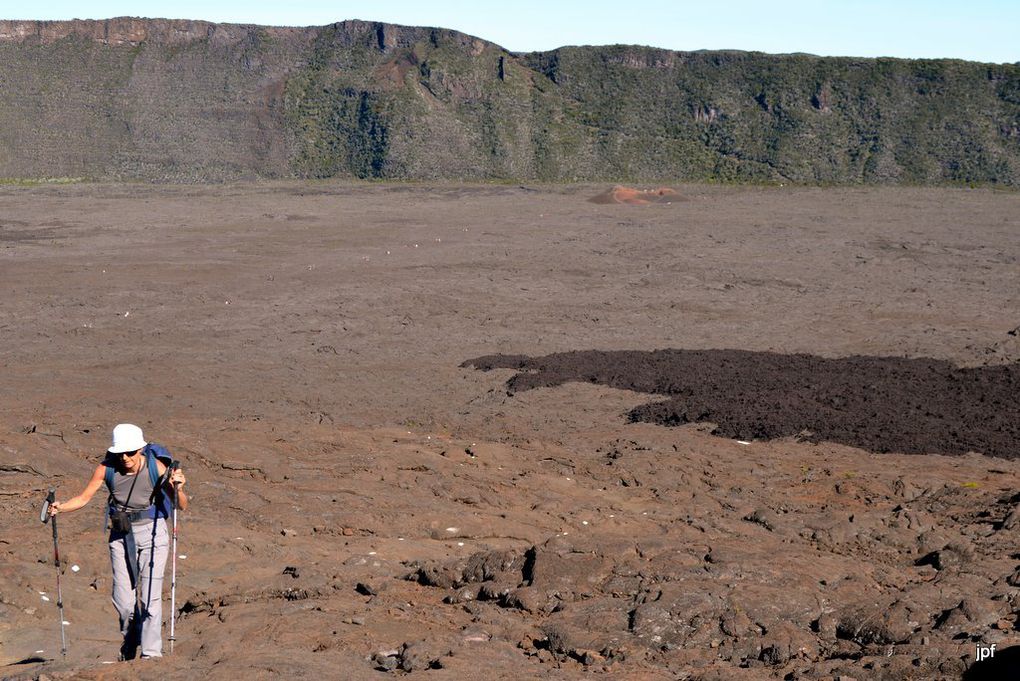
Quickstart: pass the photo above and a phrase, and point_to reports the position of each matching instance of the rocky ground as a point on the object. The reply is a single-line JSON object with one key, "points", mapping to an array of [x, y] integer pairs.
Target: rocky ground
{"points": [[367, 503]]}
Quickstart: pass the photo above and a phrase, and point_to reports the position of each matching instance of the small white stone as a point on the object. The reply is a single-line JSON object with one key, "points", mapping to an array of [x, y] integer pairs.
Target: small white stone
{"points": [[183, 556], [46, 598], [460, 543], [371, 553], [452, 529], [66, 623], [75, 568], [584, 522], [400, 539]]}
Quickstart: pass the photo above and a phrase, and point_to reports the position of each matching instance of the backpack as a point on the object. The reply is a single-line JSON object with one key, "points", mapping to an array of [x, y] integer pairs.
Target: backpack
{"points": [[160, 503]]}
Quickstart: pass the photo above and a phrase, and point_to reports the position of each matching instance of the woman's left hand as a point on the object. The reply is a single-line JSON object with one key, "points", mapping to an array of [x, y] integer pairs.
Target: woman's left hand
{"points": [[178, 478]]}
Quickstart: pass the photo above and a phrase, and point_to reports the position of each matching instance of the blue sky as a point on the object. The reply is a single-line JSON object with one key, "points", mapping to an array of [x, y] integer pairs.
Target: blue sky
{"points": [[979, 30]]}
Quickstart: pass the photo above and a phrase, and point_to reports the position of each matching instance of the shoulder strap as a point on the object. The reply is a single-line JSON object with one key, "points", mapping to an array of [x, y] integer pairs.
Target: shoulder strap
{"points": [[153, 468], [157, 497], [108, 478]]}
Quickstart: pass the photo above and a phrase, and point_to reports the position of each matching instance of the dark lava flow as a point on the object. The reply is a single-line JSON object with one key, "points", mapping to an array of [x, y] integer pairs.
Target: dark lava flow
{"points": [[883, 404]]}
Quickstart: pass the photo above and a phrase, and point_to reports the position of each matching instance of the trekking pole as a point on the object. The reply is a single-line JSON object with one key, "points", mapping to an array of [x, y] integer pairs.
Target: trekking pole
{"points": [[44, 516], [173, 561]]}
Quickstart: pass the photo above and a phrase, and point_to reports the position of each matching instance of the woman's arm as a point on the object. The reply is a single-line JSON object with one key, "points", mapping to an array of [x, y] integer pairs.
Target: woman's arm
{"points": [[74, 503]]}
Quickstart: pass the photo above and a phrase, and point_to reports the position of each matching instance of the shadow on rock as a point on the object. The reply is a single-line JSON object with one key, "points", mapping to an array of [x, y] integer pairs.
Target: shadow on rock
{"points": [[883, 404]]}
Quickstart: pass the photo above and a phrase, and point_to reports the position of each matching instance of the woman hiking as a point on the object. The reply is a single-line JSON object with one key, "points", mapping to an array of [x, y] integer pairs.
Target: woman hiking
{"points": [[135, 473]]}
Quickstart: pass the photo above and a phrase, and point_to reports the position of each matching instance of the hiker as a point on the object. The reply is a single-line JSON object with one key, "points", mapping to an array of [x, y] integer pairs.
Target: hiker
{"points": [[141, 492]]}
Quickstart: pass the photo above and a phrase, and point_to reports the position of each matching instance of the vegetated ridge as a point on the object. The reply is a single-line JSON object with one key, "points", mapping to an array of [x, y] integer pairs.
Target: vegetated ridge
{"points": [[191, 101]]}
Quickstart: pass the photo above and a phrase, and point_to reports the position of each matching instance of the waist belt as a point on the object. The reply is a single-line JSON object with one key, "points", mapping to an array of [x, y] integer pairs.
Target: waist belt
{"points": [[139, 517]]}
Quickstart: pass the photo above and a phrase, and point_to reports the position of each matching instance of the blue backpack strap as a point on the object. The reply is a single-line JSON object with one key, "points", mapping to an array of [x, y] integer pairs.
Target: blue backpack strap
{"points": [[150, 458], [108, 479], [161, 502]]}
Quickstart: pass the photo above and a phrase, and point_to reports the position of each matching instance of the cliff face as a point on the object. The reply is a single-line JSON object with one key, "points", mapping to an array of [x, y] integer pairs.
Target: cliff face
{"points": [[194, 101], [140, 99], [122, 31]]}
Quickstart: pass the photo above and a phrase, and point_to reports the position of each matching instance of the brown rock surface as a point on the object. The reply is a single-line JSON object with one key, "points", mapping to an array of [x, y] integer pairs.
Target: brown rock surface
{"points": [[363, 503]]}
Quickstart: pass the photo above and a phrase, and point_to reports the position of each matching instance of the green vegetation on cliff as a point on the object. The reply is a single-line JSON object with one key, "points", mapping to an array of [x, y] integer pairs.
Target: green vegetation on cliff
{"points": [[368, 100]]}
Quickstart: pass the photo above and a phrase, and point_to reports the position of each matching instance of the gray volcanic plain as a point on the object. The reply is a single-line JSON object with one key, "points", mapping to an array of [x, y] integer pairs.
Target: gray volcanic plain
{"points": [[366, 502]]}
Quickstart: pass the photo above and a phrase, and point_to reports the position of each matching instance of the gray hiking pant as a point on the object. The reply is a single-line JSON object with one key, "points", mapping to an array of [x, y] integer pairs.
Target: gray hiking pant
{"points": [[138, 586]]}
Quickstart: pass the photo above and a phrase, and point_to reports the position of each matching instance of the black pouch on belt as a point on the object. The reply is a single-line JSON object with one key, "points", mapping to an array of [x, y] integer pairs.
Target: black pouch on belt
{"points": [[120, 521]]}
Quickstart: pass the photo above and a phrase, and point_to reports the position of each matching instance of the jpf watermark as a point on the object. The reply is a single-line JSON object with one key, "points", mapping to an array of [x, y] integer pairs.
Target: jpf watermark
{"points": [[985, 652]]}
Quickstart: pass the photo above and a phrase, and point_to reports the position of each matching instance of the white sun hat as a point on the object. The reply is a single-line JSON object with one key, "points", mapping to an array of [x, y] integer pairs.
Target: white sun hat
{"points": [[126, 438]]}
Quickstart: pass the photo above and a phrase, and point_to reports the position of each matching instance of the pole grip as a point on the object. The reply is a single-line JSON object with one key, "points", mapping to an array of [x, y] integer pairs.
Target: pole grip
{"points": [[174, 465], [44, 514]]}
